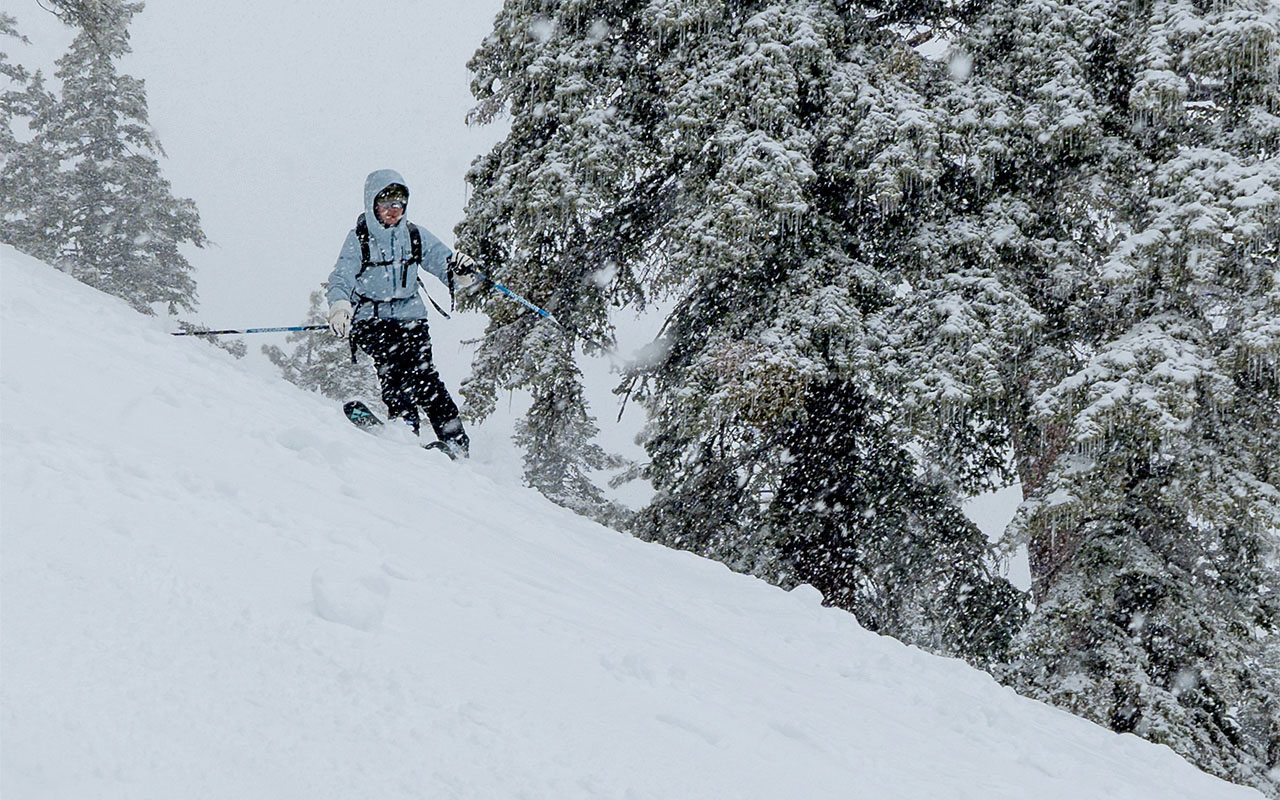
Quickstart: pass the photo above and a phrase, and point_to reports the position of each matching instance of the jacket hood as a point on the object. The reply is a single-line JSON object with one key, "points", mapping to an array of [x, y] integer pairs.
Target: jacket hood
{"points": [[373, 185]]}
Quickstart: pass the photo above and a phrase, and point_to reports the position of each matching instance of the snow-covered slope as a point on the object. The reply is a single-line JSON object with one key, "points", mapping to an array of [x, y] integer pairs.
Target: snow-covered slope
{"points": [[213, 586]]}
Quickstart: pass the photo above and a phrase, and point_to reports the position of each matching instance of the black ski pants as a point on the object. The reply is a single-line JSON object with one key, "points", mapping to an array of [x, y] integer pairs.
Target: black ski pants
{"points": [[402, 353]]}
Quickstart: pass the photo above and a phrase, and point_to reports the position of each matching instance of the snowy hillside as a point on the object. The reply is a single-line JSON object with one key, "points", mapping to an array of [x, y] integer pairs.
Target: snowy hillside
{"points": [[213, 586]]}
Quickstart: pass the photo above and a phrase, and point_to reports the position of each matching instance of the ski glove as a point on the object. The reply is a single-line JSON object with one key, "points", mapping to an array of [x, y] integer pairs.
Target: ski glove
{"points": [[462, 263], [471, 284], [340, 318]]}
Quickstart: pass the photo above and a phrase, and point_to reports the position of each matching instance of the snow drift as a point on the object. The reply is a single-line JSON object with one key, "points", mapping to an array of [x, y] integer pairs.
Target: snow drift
{"points": [[212, 585]]}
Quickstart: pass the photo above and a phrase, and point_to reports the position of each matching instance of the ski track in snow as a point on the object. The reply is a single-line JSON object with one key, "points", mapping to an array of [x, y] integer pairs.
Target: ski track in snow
{"points": [[213, 586]]}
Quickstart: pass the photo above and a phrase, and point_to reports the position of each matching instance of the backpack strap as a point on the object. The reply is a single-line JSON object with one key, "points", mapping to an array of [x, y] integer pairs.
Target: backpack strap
{"points": [[362, 233], [415, 244], [366, 259]]}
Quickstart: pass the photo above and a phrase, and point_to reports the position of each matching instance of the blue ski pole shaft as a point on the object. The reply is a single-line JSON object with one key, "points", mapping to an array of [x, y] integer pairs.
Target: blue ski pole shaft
{"points": [[539, 311], [542, 312], [253, 330]]}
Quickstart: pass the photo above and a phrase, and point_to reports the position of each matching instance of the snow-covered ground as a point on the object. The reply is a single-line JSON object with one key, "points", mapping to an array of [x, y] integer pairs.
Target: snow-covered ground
{"points": [[213, 586]]}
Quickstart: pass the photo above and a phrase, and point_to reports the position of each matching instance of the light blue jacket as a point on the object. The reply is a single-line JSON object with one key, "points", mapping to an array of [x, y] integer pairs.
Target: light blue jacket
{"points": [[389, 290]]}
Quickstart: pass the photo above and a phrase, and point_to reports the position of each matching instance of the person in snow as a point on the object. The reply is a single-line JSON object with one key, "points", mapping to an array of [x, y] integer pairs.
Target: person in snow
{"points": [[373, 298]]}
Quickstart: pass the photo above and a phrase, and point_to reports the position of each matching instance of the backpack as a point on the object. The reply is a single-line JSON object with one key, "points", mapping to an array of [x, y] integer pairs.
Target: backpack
{"points": [[415, 257], [366, 260]]}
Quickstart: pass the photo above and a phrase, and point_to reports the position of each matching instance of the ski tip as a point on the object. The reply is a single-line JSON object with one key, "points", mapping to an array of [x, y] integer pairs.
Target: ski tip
{"points": [[360, 414], [451, 452], [439, 446]]}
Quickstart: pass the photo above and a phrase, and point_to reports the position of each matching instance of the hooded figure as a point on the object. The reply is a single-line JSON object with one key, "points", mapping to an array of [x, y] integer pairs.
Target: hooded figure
{"points": [[373, 296], [388, 287]]}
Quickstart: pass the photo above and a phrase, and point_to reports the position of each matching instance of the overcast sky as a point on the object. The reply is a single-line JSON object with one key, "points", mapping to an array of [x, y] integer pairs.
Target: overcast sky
{"points": [[272, 113]]}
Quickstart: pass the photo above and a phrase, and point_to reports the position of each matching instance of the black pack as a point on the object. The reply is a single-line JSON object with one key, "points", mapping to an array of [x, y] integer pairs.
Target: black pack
{"points": [[415, 257], [366, 260]]}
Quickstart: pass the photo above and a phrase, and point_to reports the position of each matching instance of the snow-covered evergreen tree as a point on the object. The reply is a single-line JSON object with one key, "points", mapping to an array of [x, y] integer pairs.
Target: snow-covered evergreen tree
{"points": [[16, 78], [236, 347], [825, 161], [889, 546], [1096, 285], [558, 435], [723, 156], [538, 222], [27, 196], [321, 362], [101, 209]]}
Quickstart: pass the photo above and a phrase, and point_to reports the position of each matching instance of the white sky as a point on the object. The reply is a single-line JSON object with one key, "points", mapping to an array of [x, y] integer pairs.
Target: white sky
{"points": [[271, 114]]}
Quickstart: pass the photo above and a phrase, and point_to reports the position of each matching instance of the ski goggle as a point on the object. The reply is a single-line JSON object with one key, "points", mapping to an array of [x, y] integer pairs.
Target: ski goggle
{"points": [[392, 203]]}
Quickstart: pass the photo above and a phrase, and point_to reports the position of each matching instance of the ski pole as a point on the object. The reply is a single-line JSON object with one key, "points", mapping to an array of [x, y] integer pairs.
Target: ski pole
{"points": [[539, 311], [253, 330], [542, 312]]}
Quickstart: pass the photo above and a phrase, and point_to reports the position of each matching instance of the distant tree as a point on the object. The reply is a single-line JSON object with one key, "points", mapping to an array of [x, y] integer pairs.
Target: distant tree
{"points": [[26, 193], [17, 78], [236, 347], [320, 362], [558, 438], [99, 208]]}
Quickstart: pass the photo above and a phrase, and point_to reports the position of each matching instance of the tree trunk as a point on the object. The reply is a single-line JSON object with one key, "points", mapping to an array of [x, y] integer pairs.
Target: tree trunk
{"points": [[1036, 448]]}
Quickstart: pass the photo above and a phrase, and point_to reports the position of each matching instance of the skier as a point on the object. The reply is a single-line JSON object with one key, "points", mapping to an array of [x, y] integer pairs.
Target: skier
{"points": [[377, 271]]}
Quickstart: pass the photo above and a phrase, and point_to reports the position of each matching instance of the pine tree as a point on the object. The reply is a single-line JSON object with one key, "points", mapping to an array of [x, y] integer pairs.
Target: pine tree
{"points": [[1053, 257], [536, 221], [17, 78], [737, 190], [1098, 283], [320, 362], [104, 213], [887, 545], [557, 425], [27, 196], [820, 180]]}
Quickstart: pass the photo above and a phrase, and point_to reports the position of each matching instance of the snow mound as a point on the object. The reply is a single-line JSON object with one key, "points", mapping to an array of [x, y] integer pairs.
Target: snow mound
{"points": [[352, 597], [212, 585]]}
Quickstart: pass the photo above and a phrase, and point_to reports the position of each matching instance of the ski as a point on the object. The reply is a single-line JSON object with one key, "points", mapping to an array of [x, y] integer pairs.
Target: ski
{"points": [[360, 415], [363, 417]]}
